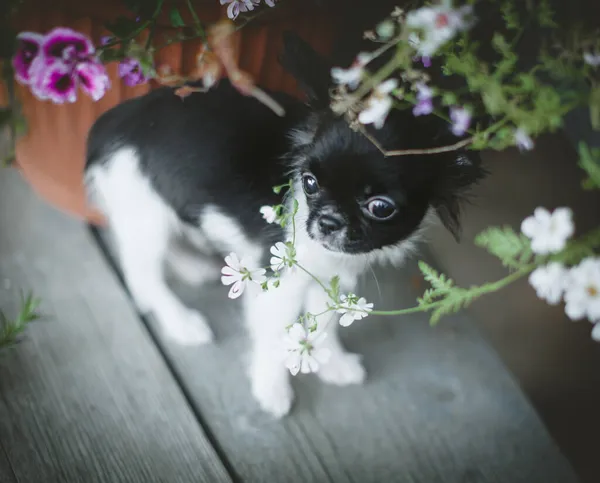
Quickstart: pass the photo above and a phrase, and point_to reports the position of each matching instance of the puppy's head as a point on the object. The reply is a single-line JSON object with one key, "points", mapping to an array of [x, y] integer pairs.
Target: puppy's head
{"points": [[358, 200]]}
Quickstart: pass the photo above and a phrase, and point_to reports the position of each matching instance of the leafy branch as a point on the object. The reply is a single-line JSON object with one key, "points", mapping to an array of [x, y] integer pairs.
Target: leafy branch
{"points": [[11, 329]]}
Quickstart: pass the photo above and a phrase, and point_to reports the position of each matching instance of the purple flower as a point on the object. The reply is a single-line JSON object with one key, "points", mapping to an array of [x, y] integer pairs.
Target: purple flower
{"points": [[461, 120], [93, 79], [424, 105], [106, 39], [67, 44], [425, 60], [131, 72], [29, 44], [55, 82]]}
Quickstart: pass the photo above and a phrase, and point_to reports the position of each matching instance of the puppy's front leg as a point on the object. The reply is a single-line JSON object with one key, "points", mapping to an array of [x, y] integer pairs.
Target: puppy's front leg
{"points": [[343, 367], [267, 315]]}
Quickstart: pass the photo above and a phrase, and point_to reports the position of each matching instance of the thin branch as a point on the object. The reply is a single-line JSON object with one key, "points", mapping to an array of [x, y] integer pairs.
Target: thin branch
{"points": [[410, 152]]}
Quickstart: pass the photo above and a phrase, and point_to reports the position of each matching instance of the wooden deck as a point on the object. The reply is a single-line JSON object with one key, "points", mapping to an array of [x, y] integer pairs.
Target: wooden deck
{"points": [[94, 395]]}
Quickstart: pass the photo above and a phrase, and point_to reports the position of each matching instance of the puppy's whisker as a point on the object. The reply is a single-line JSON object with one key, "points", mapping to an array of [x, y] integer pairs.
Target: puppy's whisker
{"points": [[370, 265]]}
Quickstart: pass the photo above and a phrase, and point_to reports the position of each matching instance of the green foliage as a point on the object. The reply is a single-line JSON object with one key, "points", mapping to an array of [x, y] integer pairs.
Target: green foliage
{"points": [[443, 298], [124, 28], [589, 161], [175, 17], [513, 249], [10, 330], [334, 289], [546, 14], [510, 15]]}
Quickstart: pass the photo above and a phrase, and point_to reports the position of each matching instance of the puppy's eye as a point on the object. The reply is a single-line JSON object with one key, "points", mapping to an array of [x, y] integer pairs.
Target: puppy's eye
{"points": [[310, 184], [380, 208]]}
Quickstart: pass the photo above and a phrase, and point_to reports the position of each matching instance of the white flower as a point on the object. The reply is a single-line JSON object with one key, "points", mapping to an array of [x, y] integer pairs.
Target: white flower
{"points": [[522, 140], [237, 6], [461, 120], [353, 308], [549, 232], [237, 274], [438, 24], [268, 213], [591, 59], [304, 355], [549, 282], [379, 104], [582, 291], [282, 256], [352, 76]]}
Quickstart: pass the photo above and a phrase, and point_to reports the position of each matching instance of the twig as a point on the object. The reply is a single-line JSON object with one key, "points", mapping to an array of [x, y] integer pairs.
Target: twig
{"points": [[153, 23], [199, 27], [410, 152]]}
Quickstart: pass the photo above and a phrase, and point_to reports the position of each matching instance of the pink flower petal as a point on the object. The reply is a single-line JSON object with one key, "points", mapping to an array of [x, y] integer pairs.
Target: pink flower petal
{"points": [[28, 48], [67, 44], [55, 81], [93, 78]]}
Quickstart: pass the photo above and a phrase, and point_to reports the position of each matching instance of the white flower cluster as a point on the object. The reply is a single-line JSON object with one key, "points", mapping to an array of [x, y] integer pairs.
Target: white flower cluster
{"points": [[301, 343], [431, 27], [578, 286], [235, 7]]}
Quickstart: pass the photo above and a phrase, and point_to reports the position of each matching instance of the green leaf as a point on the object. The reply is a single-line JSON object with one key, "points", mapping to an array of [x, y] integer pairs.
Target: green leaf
{"points": [[124, 27], [334, 291], [546, 14], [111, 55], [589, 161], [595, 108], [6, 115], [11, 329], [513, 249], [449, 99], [438, 281], [175, 17]]}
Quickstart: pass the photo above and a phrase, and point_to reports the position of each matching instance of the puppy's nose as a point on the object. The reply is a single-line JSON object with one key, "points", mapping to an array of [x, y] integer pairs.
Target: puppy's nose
{"points": [[330, 223]]}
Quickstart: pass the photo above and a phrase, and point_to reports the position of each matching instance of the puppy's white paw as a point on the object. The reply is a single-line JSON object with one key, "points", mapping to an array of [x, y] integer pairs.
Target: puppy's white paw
{"points": [[343, 369], [191, 329], [274, 396]]}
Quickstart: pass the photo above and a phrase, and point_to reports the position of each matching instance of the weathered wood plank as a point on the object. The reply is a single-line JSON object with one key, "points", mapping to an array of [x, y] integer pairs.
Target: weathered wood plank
{"points": [[87, 396], [439, 406]]}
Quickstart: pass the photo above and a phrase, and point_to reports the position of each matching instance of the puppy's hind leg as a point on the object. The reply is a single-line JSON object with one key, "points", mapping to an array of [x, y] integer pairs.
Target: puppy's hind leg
{"points": [[192, 261], [142, 225]]}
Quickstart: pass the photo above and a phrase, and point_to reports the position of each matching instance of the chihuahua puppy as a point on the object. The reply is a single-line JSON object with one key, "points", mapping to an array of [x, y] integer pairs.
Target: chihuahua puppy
{"points": [[163, 168]]}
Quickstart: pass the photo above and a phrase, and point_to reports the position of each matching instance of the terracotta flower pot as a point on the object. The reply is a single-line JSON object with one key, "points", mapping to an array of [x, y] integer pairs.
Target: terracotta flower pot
{"points": [[51, 154]]}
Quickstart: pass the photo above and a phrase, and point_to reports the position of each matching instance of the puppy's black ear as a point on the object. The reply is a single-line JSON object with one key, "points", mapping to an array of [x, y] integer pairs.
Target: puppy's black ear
{"points": [[309, 68], [460, 171]]}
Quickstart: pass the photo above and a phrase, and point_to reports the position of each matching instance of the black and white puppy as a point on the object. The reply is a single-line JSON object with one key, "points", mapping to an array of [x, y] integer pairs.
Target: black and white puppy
{"points": [[161, 168]]}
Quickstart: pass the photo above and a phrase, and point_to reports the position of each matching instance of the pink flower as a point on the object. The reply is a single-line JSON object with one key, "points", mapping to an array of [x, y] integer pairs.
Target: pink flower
{"points": [[29, 44], [93, 79], [55, 82], [62, 61], [67, 44], [461, 120], [130, 70], [424, 105]]}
